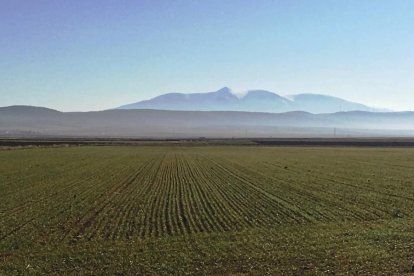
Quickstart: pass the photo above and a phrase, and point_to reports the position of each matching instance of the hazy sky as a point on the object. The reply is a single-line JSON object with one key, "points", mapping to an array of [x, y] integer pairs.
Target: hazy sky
{"points": [[97, 54]]}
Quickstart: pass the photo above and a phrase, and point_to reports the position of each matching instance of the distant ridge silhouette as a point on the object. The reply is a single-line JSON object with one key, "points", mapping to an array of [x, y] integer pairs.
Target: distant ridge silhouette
{"points": [[27, 121]]}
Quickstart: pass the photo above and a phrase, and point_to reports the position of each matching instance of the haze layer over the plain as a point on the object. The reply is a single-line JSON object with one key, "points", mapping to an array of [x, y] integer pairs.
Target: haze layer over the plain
{"points": [[21, 121], [95, 55]]}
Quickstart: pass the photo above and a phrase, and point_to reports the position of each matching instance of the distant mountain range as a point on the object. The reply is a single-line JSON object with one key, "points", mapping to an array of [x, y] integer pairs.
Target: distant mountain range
{"points": [[252, 101], [27, 121]]}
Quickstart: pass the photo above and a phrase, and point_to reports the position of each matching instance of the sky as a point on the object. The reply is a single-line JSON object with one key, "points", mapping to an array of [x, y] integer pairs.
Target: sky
{"points": [[99, 54]]}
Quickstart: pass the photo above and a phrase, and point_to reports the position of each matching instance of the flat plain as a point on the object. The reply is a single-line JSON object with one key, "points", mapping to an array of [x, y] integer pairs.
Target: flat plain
{"points": [[207, 210]]}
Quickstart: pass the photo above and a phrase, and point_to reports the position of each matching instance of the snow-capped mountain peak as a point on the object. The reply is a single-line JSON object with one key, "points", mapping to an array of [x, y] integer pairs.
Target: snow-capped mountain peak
{"points": [[227, 99]]}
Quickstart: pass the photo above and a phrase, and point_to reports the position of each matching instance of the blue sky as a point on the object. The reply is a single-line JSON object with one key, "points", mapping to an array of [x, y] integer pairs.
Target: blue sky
{"points": [[98, 54]]}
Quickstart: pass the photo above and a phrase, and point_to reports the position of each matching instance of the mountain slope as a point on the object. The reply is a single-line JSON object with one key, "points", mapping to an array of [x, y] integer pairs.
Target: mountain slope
{"points": [[222, 99], [316, 103], [253, 101]]}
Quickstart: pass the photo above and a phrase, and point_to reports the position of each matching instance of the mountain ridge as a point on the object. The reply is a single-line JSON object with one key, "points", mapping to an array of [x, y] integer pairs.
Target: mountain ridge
{"points": [[257, 100]]}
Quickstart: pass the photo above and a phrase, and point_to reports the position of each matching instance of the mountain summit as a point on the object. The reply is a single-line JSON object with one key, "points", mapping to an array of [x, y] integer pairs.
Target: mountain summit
{"points": [[225, 99]]}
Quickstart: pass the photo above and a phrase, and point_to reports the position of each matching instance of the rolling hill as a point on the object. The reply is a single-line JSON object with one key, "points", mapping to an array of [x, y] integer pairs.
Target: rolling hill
{"points": [[37, 121]]}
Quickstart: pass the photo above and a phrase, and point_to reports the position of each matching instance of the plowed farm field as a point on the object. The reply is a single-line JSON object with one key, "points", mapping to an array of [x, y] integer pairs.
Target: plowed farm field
{"points": [[207, 210]]}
